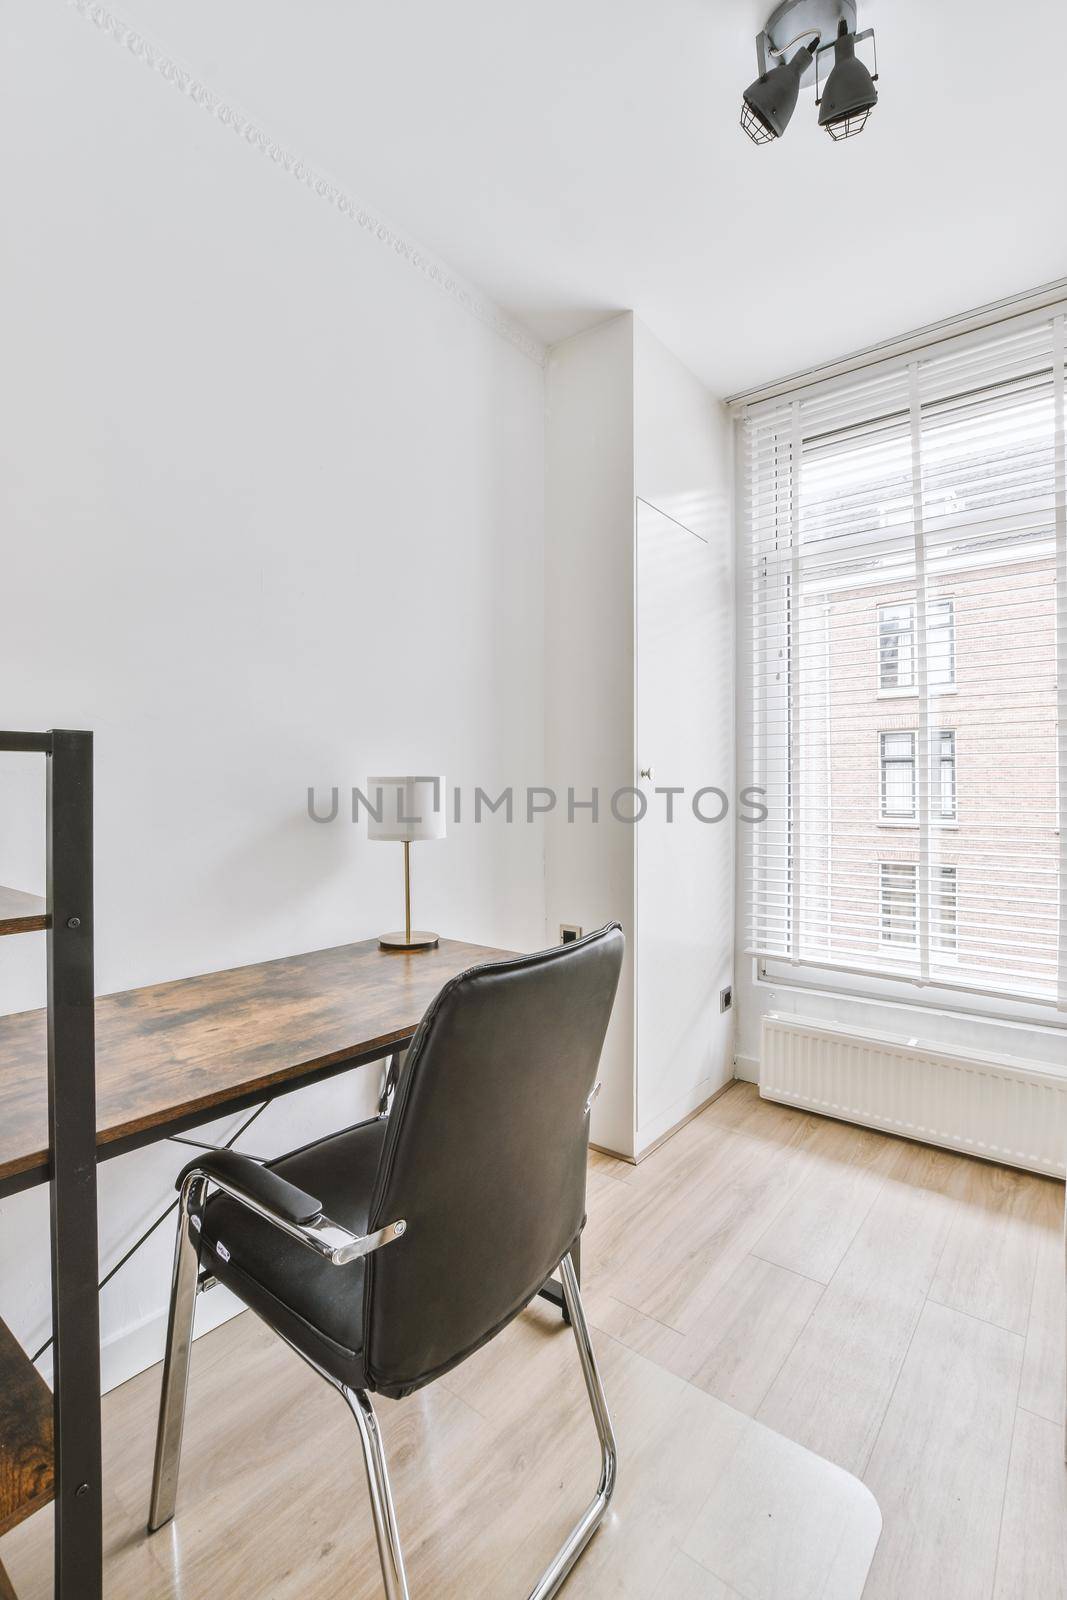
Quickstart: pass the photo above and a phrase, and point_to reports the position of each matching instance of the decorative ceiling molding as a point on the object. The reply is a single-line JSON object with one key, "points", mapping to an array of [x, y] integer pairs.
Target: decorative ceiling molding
{"points": [[228, 115]]}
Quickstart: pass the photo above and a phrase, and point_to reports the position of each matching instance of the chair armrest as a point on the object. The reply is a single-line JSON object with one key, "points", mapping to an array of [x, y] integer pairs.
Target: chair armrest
{"points": [[259, 1183], [286, 1207]]}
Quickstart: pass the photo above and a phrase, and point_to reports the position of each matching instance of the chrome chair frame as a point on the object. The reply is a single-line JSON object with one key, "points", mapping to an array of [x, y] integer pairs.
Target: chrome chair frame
{"points": [[339, 1245]]}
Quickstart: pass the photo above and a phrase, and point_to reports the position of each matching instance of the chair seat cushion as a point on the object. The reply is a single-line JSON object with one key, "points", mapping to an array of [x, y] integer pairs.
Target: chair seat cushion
{"points": [[316, 1306]]}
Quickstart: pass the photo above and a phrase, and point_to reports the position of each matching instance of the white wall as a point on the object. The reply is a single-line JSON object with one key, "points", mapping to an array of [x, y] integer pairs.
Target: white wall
{"points": [[273, 516]]}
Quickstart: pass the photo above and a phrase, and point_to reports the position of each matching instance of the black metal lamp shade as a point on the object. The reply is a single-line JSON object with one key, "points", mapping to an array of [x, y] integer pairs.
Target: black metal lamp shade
{"points": [[850, 93], [769, 103]]}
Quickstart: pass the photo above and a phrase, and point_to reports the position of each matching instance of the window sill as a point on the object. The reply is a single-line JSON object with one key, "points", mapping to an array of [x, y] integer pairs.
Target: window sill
{"points": [[910, 822], [913, 694], [954, 997]]}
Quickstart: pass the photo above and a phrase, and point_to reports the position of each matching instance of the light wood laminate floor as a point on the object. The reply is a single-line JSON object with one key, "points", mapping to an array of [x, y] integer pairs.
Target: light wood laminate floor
{"points": [[766, 1280], [896, 1308]]}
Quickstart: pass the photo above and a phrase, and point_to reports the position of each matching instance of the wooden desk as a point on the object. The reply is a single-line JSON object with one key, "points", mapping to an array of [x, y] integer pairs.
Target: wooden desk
{"points": [[178, 1054]]}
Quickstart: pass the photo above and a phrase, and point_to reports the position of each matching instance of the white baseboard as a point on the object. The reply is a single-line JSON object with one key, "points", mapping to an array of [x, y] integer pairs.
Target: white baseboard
{"points": [[746, 1068], [652, 1136]]}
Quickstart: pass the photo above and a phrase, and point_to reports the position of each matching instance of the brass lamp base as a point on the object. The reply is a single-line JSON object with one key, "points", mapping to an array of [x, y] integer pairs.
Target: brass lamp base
{"points": [[416, 939], [411, 938]]}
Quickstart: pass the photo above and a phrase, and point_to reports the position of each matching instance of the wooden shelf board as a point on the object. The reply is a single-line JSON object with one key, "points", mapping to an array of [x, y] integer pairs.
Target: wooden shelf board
{"points": [[27, 1475], [21, 912]]}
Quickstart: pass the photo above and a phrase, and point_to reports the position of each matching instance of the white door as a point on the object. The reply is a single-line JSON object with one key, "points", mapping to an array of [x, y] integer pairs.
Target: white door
{"points": [[684, 865]]}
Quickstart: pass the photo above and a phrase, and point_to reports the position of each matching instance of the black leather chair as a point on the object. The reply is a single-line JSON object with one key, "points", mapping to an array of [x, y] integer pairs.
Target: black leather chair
{"points": [[387, 1254]]}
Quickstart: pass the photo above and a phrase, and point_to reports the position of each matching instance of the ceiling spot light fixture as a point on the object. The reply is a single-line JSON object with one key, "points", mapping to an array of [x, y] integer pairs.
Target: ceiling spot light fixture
{"points": [[789, 52], [849, 95], [769, 103]]}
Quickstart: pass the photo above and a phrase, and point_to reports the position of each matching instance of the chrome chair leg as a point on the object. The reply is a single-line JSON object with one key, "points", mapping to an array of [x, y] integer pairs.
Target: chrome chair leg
{"points": [[381, 1496], [553, 1578], [172, 1416], [176, 1361]]}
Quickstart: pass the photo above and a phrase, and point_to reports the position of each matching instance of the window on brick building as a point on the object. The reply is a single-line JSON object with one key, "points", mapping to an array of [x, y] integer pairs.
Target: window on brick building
{"points": [[897, 667]]}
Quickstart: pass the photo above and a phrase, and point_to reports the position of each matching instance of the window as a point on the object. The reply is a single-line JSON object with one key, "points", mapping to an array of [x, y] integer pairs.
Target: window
{"points": [[899, 914], [943, 776], [899, 907], [899, 790], [896, 647], [905, 527], [944, 909], [897, 668], [899, 778], [941, 645]]}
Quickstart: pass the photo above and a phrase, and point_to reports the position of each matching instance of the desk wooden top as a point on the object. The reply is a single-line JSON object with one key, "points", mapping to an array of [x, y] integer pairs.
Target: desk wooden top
{"points": [[170, 1052]]}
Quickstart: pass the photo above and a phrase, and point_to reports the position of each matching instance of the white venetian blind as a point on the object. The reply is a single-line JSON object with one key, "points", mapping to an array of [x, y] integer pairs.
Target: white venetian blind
{"points": [[908, 545]]}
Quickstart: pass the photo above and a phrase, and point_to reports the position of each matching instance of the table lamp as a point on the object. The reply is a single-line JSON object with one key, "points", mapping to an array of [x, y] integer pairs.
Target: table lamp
{"points": [[410, 809]]}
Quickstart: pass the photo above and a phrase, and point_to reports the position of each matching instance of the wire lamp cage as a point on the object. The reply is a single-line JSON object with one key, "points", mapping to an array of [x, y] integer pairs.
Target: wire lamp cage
{"points": [[848, 127], [755, 126]]}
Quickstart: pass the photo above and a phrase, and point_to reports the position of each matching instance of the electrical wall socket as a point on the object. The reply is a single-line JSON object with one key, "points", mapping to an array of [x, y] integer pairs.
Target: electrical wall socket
{"points": [[726, 997], [568, 932]]}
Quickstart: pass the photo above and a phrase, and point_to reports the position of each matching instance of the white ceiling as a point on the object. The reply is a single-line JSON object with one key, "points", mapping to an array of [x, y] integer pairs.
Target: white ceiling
{"points": [[578, 157]]}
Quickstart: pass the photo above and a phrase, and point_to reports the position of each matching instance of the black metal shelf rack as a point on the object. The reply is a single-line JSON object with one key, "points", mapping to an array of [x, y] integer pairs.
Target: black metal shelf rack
{"points": [[67, 915]]}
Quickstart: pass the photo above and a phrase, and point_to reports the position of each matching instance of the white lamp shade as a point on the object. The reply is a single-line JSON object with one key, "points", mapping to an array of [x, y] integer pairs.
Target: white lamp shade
{"points": [[411, 808]]}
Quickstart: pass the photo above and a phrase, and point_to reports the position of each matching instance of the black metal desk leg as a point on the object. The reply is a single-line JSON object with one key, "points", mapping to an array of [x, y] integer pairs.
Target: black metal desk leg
{"points": [[552, 1291], [72, 1137]]}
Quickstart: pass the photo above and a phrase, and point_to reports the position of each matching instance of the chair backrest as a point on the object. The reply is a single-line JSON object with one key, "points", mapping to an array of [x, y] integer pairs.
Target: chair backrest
{"points": [[485, 1155]]}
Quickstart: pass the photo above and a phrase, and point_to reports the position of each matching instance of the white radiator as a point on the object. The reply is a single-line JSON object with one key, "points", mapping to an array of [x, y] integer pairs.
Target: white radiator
{"points": [[1002, 1110]]}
